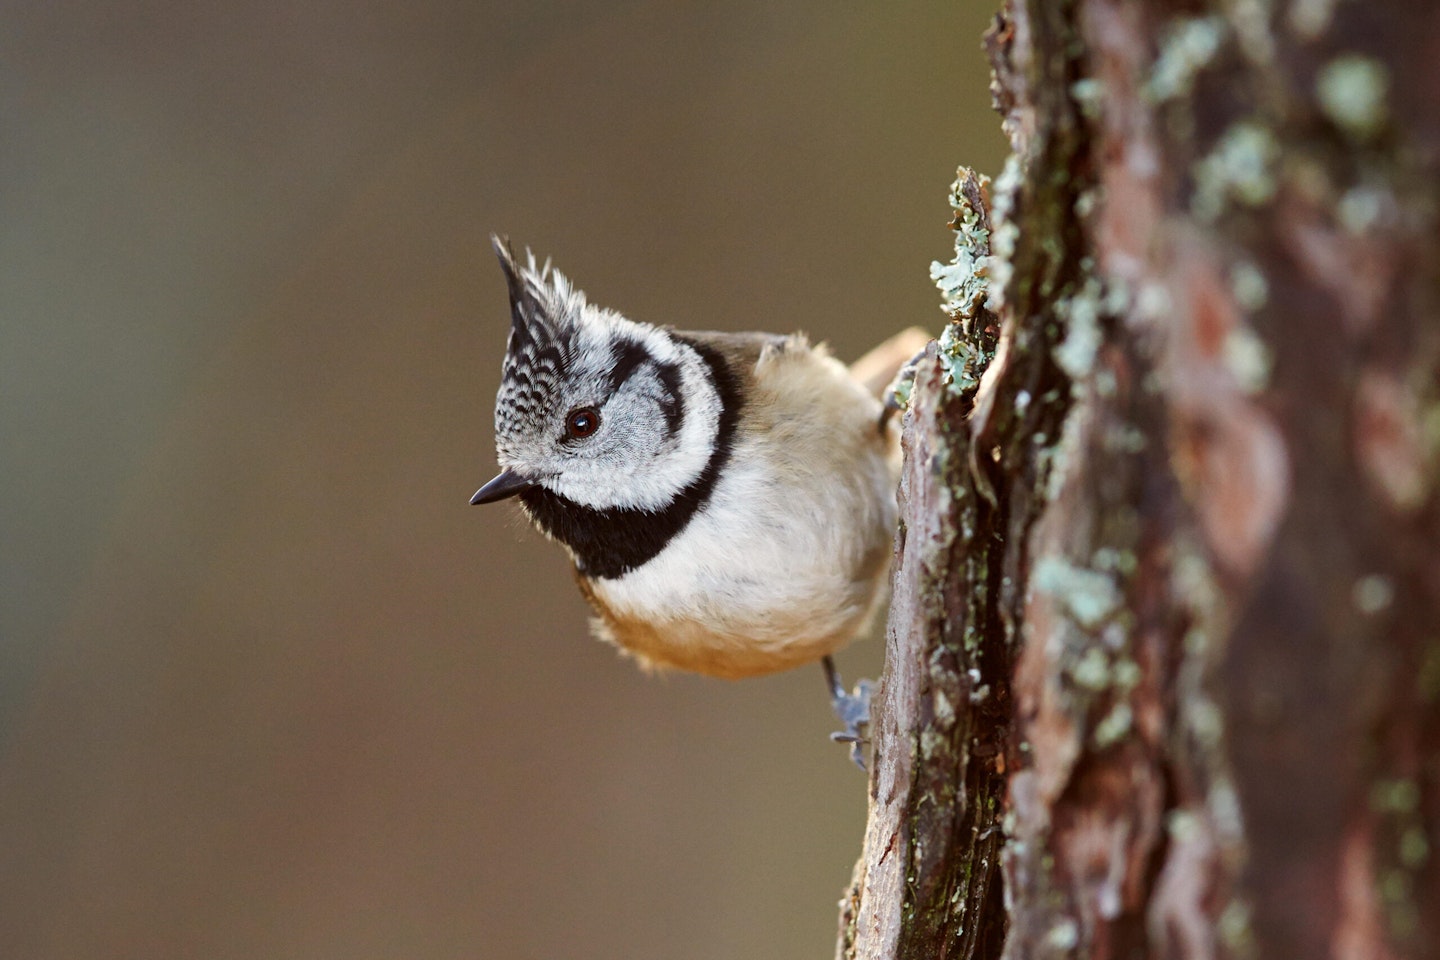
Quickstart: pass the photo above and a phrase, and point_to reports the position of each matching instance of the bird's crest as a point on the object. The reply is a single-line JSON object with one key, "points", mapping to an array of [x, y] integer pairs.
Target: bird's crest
{"points": [[546, 312]]}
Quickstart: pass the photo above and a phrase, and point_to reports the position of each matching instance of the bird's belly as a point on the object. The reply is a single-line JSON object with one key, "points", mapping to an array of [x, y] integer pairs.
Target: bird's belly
{"points": [[743, 592]]}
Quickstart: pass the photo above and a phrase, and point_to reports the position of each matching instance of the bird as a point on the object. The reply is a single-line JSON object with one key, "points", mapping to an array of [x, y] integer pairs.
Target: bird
{"points": [[727, 500]]}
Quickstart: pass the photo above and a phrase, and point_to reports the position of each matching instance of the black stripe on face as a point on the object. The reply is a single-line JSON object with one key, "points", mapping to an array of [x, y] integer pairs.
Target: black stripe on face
{"points": [[611, 543], [672, 403], [626, 357]]}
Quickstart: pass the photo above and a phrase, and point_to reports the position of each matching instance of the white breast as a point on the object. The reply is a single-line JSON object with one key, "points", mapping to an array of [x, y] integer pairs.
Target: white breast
{"points": [[784, 563]]}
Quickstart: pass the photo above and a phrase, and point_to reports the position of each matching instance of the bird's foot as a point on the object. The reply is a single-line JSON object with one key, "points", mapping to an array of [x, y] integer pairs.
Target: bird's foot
{"points": [[852, 709]]}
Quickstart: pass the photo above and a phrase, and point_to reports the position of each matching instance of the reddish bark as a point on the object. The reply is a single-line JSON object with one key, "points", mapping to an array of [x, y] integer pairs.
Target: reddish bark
{"points": [[1193, 507]]}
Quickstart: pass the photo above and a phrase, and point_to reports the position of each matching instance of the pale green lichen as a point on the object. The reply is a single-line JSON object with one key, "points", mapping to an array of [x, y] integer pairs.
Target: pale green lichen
{"points": [[1116, 634], [1088, 596], [1126, 673], [1052, 460], [961, 362], [1249, 286], [1202, 721], [1310, 18], [1251, 19], [1397, 796], [1241, 167], [1003, 239], [1115, 559], [1184, 825], [1414, 847], [1152, 301], [1125, 438], [1224, 804], [1114, 726], [1396, 801], [1351, 90], [1206, 720], [1373, 593], [1187, 48], [1092, 671], [901, 388], [1247, 358], [1005, 232], [1083, 336], [1362, 207], [943, 710], [965, 283], [1089, 95], [1235, 927], [1117, 298], [1397, 891], [961, 282], [964, 279], [1065, 935], [1193, 578]]}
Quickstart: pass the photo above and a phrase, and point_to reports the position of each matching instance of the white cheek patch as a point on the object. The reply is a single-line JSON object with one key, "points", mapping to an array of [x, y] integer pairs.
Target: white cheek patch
{"points": [[695, 444], [648, 467]]}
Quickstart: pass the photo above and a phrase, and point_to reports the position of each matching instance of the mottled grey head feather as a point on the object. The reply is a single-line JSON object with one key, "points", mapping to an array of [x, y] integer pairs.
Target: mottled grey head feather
{"points": [[545, 316], [658, 406]]}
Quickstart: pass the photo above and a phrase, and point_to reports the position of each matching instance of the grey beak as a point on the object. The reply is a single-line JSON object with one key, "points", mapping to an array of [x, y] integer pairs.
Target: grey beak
{"points": [[507, 484]]}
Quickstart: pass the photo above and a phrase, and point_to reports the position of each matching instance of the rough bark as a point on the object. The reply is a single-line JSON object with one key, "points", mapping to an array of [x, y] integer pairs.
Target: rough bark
{"points": [[1163, 664]]}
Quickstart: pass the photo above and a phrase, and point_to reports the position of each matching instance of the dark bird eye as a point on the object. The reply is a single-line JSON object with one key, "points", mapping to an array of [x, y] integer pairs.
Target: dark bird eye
{"points": [[582, 423]]}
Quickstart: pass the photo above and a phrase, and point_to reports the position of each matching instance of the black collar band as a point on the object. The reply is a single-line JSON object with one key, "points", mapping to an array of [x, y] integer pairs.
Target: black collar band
{"points": [[611, 543]]}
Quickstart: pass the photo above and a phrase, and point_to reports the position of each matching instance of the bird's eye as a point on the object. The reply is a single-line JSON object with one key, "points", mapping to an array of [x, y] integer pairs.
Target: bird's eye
{"points": [[582, 423]]}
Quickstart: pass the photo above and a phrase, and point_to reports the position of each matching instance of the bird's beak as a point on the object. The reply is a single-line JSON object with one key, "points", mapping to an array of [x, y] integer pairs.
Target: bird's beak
{"points": [[507, 484]]}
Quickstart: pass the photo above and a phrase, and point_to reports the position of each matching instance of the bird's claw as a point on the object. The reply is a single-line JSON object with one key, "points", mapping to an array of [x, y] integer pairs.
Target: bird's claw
{"points": [[852, 709]]}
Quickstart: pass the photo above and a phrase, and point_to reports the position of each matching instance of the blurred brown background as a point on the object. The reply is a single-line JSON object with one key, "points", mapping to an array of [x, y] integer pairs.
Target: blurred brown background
{"points": [[269, 687]]}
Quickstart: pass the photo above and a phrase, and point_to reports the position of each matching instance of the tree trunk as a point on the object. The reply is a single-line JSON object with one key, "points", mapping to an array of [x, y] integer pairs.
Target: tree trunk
{"points": [[1163, 662]]}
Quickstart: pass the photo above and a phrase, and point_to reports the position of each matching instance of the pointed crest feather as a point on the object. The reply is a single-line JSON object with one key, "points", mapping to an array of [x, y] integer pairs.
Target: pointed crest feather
{"points": [[539, 294], [546, 313]]}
